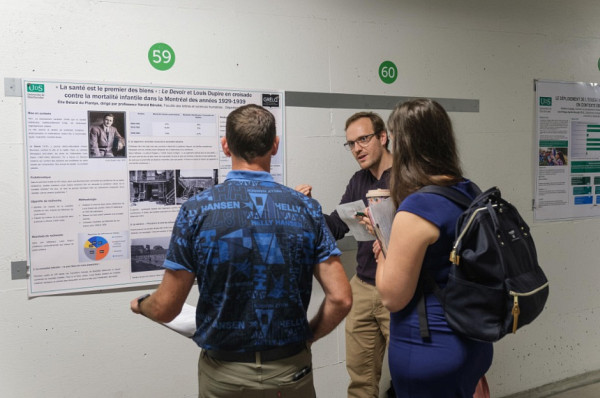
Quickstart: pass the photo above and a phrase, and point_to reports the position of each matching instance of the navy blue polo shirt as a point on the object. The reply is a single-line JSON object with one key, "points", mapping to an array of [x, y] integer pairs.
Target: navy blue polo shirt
{"points": [[252, 244]]}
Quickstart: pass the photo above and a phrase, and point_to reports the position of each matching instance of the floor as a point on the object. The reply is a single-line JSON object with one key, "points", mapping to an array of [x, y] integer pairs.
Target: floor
{"points": [[589, 391]]}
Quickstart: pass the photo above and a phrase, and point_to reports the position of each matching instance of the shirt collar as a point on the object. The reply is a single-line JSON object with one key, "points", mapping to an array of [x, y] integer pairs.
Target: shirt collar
{"points": [[249, 175]]}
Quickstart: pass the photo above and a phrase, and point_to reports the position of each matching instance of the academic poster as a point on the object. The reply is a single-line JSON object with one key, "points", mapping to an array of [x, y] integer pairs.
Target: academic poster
{"points": [[108, 166], [568, 137]]}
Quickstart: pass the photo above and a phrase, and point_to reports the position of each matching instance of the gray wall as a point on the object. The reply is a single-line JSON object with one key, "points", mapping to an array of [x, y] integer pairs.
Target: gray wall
{"points": [[91, 345]]}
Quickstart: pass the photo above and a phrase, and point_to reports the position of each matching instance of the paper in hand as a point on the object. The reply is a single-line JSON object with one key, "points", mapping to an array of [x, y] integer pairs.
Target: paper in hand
{"points": [[185, 322], [381, 214], [347, 212]]}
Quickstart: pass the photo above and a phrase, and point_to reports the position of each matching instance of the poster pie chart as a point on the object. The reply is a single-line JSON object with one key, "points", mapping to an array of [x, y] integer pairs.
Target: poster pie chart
{"points": [[96, 248]]}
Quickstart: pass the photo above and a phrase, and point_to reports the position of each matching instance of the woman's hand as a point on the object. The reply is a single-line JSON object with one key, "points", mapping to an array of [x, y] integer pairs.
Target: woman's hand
{"points": [[377, 252], [363, 219], [398, 273]]}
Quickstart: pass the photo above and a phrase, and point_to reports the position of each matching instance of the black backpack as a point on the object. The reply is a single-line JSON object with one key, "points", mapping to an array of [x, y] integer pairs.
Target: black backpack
{"points": [[496, 285]]}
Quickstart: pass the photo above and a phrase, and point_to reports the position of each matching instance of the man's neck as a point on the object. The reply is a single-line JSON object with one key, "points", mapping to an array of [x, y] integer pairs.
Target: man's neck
{"points": [[257, 164], [384, 163]]}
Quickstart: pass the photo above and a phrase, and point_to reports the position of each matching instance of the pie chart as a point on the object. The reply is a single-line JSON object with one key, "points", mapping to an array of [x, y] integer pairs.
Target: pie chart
{"points": [[96, 248]]}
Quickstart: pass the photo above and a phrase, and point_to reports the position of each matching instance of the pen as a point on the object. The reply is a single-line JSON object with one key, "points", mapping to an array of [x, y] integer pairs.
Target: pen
{"points": [[301, 373]]}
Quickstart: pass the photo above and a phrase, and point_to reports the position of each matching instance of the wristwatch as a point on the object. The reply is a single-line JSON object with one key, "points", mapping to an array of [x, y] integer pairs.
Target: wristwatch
{"points": [[140, 299]]}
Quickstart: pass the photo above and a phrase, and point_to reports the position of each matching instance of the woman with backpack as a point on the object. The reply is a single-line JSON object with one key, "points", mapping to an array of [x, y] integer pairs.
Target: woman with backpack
{"points": [[444, 364]]}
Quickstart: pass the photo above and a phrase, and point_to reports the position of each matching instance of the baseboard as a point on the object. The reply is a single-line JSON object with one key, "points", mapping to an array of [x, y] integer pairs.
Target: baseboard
{"points": [[550, 389]]}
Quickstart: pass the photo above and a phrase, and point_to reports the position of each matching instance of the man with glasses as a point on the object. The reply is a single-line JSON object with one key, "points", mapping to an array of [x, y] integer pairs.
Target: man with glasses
{"points": [[368, 323]]}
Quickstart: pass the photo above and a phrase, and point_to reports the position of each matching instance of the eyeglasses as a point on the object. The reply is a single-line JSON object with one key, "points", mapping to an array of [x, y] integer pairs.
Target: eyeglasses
{"points": [[362, 141]]}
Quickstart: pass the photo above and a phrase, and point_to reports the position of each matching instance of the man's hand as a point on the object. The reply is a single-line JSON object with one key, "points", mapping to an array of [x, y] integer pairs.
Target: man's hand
{"points": [[165, 303], [305, 189], [135, 305]]}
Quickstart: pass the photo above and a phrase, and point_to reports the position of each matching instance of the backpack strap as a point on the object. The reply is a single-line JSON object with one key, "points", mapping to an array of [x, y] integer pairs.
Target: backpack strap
{"points": [[451, 194], [422, 311], [425, 281]]}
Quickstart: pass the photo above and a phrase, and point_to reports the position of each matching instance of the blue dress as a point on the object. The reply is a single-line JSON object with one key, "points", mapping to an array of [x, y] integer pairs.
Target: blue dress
{"points": [[447, 365]]}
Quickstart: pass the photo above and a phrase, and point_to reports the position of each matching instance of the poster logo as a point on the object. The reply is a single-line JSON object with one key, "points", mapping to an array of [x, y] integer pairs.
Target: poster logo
{"points": [[35, 88], [270, 100], [545, 101]]}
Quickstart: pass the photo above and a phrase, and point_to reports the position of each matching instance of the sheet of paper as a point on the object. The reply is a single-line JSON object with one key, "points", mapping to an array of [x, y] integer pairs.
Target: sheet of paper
{"points": [[185, 322], [346, 212]]}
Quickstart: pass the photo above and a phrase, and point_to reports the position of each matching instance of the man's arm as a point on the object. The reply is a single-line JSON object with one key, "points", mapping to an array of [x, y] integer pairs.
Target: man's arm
{"points": [[118, 141], [338, 297], [94, 132], [117, 133], [166, 302], [337, 227]]}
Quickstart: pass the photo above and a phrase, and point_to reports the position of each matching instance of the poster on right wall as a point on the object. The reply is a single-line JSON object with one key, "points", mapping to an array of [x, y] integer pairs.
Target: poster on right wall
{"points": [[567, 182]]}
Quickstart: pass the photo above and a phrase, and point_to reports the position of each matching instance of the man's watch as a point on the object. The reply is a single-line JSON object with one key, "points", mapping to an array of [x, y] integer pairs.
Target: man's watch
{"points": [[140, 299]]}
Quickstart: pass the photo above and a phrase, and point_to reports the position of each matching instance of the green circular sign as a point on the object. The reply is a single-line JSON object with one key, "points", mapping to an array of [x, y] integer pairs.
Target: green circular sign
{"points": [[388, 72], [161, 56]]}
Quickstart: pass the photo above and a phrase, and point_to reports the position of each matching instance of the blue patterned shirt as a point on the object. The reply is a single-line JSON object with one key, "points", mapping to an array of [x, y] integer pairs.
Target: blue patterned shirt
{"points": [[252, 244]]}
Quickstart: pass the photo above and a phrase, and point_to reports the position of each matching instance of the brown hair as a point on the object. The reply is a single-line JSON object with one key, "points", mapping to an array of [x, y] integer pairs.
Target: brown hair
{"points": [[250, 131], [424, 148]]}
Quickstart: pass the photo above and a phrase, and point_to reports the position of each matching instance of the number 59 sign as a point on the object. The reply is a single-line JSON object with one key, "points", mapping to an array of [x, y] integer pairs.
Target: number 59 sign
{"points": [[161, 56]]}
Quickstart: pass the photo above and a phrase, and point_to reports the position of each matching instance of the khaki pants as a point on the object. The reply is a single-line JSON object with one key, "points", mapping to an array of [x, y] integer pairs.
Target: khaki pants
{"points": [[222, 379], [367, 336]]}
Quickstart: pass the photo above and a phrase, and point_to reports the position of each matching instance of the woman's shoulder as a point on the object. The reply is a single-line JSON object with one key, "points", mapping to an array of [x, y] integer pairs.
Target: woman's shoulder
{"points": [[467, 187], [436, 208], [421, 200]]}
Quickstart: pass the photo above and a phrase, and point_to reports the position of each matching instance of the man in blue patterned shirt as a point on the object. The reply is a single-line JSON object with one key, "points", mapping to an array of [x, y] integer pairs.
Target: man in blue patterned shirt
{"points": [[253, 246]]}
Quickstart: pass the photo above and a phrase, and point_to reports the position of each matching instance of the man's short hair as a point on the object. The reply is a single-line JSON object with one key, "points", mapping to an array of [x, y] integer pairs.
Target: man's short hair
{"points": [[250, 132], [376, 121]]}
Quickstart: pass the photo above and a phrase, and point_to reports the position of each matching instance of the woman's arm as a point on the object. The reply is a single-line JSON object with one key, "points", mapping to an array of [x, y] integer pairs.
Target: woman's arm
{"points": [[398, 273]]}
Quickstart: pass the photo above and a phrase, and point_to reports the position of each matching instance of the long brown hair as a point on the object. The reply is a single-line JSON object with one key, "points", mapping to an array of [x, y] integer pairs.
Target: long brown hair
{"points": [[424, 148]]}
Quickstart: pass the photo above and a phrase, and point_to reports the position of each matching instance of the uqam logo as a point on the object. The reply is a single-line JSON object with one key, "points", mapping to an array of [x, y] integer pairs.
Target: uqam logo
{"points": [[35, 88]]}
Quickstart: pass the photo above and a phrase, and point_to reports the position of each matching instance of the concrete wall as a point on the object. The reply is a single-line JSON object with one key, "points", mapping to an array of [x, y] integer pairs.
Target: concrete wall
{"points": [[91, 345]]}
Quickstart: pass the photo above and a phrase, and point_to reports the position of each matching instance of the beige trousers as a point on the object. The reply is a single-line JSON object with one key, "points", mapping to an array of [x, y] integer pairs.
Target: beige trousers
{"points": [[274, 379], [367, 336]]}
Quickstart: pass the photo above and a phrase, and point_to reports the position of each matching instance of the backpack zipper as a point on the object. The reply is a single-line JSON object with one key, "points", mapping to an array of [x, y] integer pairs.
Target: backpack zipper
{"points": [[454, 257], [516, 309]]}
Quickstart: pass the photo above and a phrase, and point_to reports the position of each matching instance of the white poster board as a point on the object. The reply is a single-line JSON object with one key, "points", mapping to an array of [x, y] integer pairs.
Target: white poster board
{"points": [[568, 146], [108, 166]]}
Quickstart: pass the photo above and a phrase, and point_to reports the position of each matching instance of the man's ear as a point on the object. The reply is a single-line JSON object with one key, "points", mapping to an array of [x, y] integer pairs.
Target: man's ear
{"points": [[225, 147], [385, 138], [275, 146]]}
